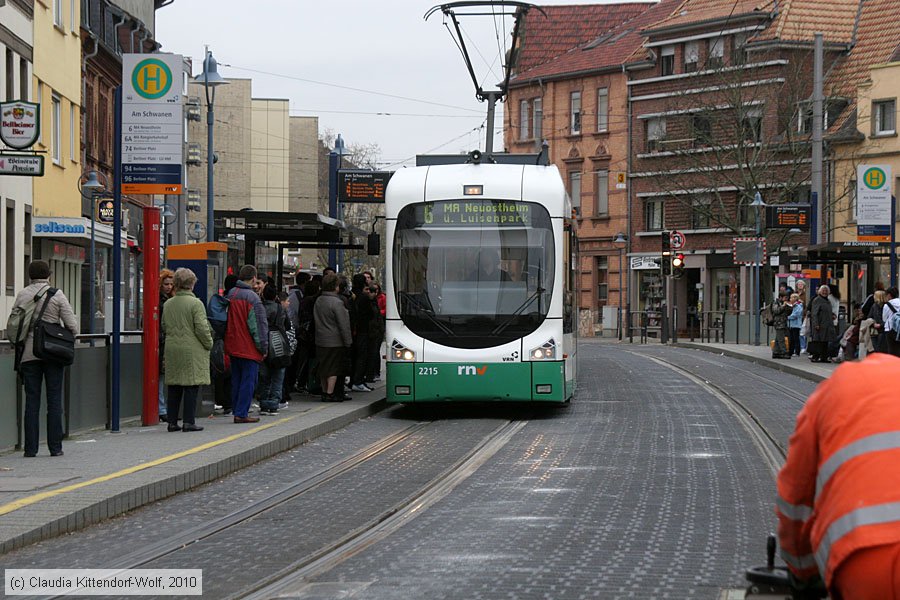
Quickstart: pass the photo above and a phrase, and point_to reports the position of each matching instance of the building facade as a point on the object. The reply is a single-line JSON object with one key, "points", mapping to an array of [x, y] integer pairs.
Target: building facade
{"points": [[17, 50], [269, 154]]}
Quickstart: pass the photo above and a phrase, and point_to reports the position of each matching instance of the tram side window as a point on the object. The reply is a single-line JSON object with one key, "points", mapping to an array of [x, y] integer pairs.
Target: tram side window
{"points": [[569, 312]]}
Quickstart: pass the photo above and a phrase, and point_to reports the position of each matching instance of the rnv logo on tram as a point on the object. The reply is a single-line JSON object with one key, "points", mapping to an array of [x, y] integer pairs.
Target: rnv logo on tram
{"points": [[471, 370]]}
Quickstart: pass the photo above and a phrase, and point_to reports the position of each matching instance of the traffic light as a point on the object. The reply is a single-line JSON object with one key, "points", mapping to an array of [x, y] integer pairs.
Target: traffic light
{"points": [[666, 253], [678, 265]]}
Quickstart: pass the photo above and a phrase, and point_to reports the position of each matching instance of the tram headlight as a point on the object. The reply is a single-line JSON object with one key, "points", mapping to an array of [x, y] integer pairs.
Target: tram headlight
{"points": [[546, 351], [401, 353]]}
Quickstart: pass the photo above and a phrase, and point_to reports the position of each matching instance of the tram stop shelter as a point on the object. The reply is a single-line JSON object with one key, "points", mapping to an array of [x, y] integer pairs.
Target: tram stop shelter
{"points": [[288, 230]]}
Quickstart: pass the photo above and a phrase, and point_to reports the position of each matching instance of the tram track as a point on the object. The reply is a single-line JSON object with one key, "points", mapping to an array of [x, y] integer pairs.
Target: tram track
{"points": [[772, 451], [389, 521]]}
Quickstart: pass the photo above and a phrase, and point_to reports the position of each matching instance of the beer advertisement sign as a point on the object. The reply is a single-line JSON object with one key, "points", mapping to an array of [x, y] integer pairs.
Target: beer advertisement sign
{"points": [[21, 124]]}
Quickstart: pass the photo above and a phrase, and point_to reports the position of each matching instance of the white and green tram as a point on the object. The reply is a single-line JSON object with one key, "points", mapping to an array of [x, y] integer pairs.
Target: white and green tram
{"points": [[479, 281]]}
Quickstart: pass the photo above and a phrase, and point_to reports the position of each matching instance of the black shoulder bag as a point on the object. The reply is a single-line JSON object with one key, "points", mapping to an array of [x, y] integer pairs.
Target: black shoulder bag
{"points": [[53, 343]]}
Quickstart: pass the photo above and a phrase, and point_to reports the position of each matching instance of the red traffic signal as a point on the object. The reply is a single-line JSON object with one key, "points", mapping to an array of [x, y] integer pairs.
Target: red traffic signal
{"points": [[678, 261]]}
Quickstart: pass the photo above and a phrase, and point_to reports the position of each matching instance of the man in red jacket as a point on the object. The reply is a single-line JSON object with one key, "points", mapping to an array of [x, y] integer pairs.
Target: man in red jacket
{"points": [[838, 500], [246, 342]]}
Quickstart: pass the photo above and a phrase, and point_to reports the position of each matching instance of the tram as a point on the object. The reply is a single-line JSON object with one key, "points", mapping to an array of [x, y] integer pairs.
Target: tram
{"points": [[480, 283]]}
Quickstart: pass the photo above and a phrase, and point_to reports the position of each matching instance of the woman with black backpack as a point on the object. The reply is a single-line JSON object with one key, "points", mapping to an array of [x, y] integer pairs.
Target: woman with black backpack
{"points": [[271, 373]]}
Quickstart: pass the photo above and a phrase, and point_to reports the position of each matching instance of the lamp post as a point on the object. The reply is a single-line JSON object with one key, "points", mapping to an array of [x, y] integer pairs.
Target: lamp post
{"points": [[210, 78], [757, 204], [620, 241], [335, 162], [93, 188]]}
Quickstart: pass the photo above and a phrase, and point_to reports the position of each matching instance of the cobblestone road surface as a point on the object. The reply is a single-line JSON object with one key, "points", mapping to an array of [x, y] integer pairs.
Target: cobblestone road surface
{"points": [[645, 487]]}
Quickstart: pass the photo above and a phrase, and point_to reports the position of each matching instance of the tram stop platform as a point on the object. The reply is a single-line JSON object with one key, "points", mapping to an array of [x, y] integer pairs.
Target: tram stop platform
{"points": [[104, 474]]}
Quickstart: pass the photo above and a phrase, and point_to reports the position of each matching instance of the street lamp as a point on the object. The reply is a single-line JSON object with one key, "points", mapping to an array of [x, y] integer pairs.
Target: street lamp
{"points": [[758, 205], [210, 78], [93, 188], [335, 162], [620, 241]]}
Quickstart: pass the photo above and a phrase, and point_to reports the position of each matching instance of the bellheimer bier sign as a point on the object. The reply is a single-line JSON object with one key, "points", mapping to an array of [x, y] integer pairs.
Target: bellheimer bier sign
{"points": [[20, 124]]}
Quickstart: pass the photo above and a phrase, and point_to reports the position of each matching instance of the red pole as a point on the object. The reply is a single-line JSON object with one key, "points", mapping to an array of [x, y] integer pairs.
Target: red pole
{"points": [[150, 413]]}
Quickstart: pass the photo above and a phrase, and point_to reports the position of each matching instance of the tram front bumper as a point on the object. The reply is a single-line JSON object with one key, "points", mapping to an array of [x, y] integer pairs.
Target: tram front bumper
{"points": [[447, 382]]}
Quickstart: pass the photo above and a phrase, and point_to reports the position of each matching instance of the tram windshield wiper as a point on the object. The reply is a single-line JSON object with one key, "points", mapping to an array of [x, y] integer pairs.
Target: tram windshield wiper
{"points": [[509, 321], [427, 312]]}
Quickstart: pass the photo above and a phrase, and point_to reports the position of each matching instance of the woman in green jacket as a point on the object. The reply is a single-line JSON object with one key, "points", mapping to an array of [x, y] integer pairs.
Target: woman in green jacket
{"points": [[188, 341]]}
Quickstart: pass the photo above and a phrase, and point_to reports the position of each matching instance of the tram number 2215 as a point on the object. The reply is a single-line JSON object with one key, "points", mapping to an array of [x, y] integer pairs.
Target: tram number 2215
{"points": [[428, 370]]}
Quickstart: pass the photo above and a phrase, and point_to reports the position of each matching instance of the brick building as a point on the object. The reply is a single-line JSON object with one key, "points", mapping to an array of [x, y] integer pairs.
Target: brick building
{"points": [[568, 88], [720, 108]]}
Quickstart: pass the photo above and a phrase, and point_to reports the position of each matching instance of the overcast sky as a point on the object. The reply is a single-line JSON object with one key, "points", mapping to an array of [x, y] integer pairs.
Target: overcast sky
{"points": [[311, 51]]}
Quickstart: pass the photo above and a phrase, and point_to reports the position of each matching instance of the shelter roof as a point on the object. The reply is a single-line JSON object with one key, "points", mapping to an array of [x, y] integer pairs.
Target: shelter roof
{"points": [[282, 226]]}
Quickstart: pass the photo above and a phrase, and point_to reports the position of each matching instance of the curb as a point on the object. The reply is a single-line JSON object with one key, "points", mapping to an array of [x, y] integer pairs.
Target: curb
{"points": [[784, 367], [81, 509]]}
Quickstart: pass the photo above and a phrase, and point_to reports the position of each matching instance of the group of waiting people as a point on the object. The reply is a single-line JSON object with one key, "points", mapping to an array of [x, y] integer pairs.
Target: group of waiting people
{"points": [[813, 328], [334, 330]]}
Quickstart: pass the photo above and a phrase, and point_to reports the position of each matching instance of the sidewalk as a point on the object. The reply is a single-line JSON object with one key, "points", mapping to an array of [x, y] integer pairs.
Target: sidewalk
{"points": [[800, 366], [104, 474]]}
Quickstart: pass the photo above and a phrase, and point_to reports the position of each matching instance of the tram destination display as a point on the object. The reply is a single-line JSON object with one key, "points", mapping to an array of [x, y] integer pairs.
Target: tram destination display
{"points": [[788, 216], [468, 213], [362, 186]]}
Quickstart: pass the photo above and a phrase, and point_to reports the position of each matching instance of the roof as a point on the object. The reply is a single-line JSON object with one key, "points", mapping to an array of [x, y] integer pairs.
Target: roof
{"points": [[701, 11], [799, 20], [878, 41], [612, 48], [544, 38]]}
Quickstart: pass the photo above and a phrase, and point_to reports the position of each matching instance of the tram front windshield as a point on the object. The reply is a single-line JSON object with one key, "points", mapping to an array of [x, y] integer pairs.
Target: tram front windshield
{"points": [[473, 273]]}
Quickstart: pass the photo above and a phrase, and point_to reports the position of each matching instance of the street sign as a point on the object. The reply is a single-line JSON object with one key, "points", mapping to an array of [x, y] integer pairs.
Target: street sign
{"points": [[873, 203], [640, 263], [152, 123], [20, 124], [362, 186], [21, 164], [787, 216], [749, 251], [106, 211], [678, 240]]}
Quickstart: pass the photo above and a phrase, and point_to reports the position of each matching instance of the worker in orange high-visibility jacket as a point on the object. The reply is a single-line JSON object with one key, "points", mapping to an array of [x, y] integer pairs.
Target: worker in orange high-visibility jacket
{"points": [[838, 500]]}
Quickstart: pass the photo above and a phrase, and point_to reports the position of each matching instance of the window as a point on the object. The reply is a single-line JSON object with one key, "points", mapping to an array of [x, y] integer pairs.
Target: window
{"points": [[73, 24], [575, 190], [653, 215], [691, 56], [667, 60], [656, 132], [884, 117], [524, 120], [537, 114], [10, 246], [715, 60], [746, 213], [57, 13], [751, 125], [26, 249], [72, 137], [804, 118], [851, 198], [738, 48], [700, 208], [55, 128], [10, 76], [602, 109], [602, 282], [40, 100], [701, 128], [601, 207], [575, 113], [24, 80]]}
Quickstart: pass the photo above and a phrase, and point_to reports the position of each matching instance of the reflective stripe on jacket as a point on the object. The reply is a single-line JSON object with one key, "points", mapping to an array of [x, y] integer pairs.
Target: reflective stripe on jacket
{"points": [[838, 491]]}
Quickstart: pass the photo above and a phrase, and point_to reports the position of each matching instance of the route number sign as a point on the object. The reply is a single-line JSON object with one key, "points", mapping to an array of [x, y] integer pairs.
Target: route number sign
{"points": [[678, 240]]}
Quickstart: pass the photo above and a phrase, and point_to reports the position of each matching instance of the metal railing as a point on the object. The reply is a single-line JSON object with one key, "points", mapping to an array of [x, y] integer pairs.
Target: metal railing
{"points": [[86, 387]]}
